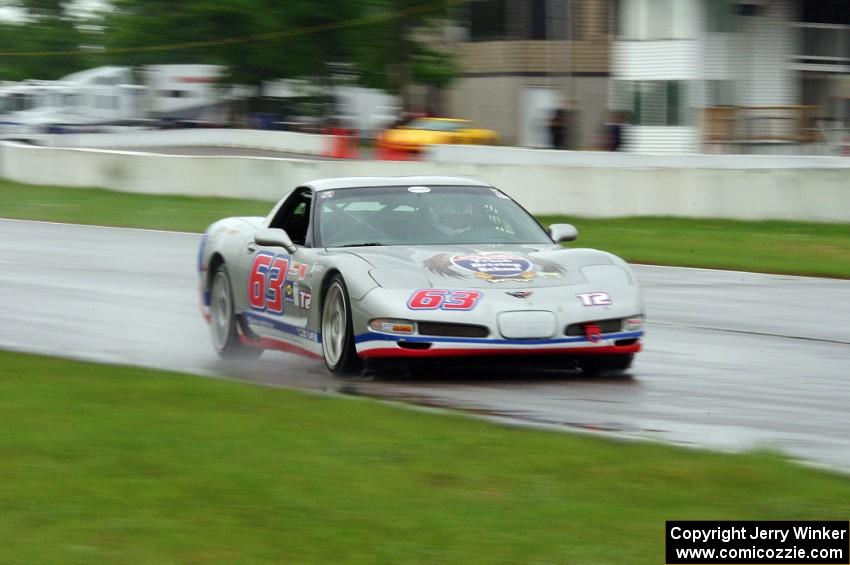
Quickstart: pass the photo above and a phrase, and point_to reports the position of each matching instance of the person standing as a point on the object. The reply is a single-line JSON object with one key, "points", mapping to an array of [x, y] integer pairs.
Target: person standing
{"points": [[557, 128], [613, 132]]}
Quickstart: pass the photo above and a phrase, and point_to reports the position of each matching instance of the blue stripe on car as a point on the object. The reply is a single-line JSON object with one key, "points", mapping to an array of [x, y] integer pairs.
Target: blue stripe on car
{"points": [[283, 327]]}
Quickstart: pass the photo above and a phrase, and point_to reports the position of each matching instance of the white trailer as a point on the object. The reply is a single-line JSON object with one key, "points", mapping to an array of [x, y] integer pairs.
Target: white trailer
{"points": [[113, 96]]}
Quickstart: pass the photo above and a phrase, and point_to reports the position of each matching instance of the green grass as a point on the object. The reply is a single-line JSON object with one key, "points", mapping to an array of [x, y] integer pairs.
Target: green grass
{"points": [[776, 247], [770, 246], [105, 464], [112, 208]]}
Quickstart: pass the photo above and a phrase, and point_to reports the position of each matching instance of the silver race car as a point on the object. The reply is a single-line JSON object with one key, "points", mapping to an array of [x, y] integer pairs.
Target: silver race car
{"points": [[356, 269]]}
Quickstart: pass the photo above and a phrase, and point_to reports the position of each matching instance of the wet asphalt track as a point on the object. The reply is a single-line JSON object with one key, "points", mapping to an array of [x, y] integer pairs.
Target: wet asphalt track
{"points": [[731, 361]]}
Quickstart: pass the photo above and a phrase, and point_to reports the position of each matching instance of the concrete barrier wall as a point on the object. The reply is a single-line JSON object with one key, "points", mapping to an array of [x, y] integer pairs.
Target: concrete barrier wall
{"points": [[791, 193], [285, 141], [483, 154]]}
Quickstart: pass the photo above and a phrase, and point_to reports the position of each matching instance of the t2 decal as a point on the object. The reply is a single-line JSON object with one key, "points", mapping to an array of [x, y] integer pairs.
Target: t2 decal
{"points": [[595, 299], [442, 299]]}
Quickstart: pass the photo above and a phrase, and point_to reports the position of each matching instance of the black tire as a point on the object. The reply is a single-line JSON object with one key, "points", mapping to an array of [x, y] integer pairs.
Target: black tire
{"points": [[605, 364], [337, 334], [223, 330]]}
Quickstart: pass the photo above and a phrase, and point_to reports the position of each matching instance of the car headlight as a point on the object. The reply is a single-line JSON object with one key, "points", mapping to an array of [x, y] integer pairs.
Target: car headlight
{"points": [[393, 326], [633, 324]]}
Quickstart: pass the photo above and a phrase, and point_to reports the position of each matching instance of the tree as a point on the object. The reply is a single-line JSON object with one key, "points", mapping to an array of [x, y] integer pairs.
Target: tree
{"points": [[48, 28], [256, 39], [436, 70], [267, 39], [386, 50]]}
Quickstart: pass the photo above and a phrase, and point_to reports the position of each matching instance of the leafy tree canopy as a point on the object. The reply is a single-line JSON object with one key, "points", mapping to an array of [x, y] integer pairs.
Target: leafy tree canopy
{"points": [[48, 28], [292, 39], [256, 40]]}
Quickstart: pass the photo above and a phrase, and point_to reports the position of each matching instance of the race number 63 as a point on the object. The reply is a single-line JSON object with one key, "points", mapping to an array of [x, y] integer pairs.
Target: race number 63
{"points": [[442, 299], [265, 284]]}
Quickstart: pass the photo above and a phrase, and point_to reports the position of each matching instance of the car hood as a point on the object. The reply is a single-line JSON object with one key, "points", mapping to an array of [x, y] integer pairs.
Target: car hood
{"points": [[484, 266]]}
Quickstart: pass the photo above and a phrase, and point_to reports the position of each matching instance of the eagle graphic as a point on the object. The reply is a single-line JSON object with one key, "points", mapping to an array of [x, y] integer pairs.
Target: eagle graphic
{"points": [[441, 264]]}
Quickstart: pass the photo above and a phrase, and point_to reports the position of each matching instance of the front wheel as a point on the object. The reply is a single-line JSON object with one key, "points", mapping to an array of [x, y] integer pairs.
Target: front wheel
{"points": [[225, 336], [605, 364], [337, 333]]}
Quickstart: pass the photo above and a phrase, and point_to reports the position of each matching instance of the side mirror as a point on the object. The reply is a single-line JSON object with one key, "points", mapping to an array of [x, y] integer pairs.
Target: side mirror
{"points": [[563, 232], [274, 237]]}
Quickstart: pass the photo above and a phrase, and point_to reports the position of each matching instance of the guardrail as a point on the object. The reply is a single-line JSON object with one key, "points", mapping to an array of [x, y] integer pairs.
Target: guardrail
{"points": [[814, 189]]}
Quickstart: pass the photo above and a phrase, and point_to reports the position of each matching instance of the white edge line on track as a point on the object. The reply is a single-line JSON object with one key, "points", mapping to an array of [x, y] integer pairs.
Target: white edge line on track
{"points": [[92, 226], [309, 157], [642, 265]]}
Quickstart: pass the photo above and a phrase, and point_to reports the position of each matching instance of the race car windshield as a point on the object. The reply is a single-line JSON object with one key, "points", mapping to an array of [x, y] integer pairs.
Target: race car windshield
{"points": [[423, 216]]}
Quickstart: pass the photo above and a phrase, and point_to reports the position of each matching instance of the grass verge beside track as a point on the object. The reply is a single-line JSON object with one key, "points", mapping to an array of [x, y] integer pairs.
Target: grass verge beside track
{"points": [[773, 247], [112, 208], [796, 248], [114, 464]]}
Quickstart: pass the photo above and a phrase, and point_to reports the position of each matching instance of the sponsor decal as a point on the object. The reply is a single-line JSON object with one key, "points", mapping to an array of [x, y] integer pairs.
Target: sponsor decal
{"points": [[305, 299], [595, 299], [443, 299], [289, 291], [419, 189], [494, 267], [520, 293], [309, 335], [325, 195], [298, 270]]}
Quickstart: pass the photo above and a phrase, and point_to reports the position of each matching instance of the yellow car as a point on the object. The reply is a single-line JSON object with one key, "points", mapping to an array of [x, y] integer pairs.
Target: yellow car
{"points": [[415, 135]]}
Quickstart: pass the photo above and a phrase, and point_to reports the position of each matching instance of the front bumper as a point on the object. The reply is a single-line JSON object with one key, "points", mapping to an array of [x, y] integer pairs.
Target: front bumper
{"points": [[566, 329]]}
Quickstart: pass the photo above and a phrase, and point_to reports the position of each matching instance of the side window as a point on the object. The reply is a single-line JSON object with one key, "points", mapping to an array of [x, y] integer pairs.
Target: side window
{"points": [[294, 216]]}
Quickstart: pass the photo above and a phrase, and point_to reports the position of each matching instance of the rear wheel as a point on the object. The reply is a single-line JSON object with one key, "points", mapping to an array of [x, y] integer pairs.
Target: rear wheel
{"points": [[605, 364], [225, 336], [337, 333]]}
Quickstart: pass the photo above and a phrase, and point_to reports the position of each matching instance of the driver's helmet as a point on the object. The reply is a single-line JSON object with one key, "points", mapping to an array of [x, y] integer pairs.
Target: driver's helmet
{"points": [[451, 218]]}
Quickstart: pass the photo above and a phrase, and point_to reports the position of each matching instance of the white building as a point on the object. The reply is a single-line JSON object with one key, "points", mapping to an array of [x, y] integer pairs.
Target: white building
{"points": [[730, 75]]}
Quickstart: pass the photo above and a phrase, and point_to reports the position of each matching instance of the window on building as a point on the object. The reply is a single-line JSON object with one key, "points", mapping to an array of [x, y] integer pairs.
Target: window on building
{"points": [[719, 93], [491, 20], [487, 20], [657, 19], [538, 19], [825, 11], [721, 15], [551, 19], [561, 15], [653, 102]]}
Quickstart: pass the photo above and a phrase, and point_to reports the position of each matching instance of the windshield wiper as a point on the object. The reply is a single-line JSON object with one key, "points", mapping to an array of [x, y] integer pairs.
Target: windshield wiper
{"points": [[370, 244]]}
